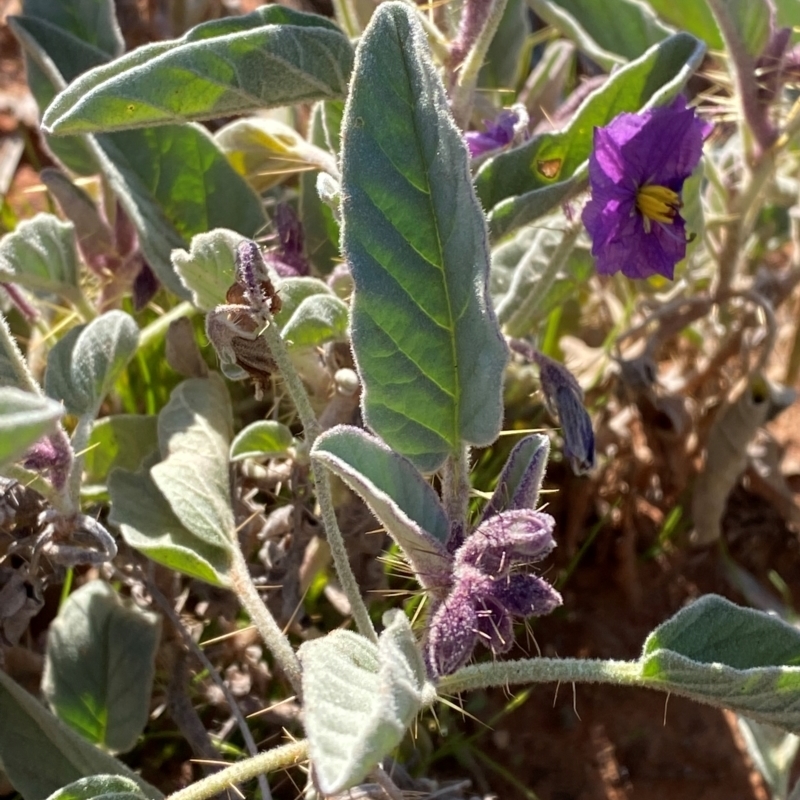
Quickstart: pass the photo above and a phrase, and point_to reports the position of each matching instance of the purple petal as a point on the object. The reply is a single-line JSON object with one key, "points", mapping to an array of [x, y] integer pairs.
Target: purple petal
{"points": [[506, 539], [453, 633], [526, 595]]}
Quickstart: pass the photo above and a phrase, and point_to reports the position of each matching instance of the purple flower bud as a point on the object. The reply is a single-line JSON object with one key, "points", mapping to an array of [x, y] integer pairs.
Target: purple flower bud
{"points": [[564, 398], [507, 540], [453, 632], [53, 455], [288, 258], [495, 625], [526, 595], [499, 132]]}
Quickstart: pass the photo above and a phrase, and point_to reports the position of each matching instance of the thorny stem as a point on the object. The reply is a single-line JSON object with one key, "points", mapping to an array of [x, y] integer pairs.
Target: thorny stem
{"points": [[287, 755], [311, 430], [542, 670], [464, 89], [268, 628], [244, 728]]}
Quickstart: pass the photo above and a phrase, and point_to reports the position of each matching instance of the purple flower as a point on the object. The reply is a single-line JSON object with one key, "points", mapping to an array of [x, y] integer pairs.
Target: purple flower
{"points": [[288, 258], [499, 132], [488, 591], [636, 172]]}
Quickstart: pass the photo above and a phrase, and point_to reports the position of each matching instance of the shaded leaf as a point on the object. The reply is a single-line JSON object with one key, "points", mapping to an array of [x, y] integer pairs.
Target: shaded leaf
{"points": [[428, 347], [692, 17], [194, 433], [635, 27], [61, 755], [121, 440], [263, 439], [318, 319], [148, 524], [360, 698], [401, 499], [99, 665], [272, 57], [519, 186], [719, 653], [83, 365], [293, 292], [93, 21], [25, 418], [508, 55]]}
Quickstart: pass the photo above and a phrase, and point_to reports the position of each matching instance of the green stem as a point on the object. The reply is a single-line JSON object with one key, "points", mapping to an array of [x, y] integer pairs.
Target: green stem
{"points": [[158, 328], [464, 90], [79, 441], [288, 755], [8, 347], [456, 488], [311, 430], [542, 670], [268, 628]]}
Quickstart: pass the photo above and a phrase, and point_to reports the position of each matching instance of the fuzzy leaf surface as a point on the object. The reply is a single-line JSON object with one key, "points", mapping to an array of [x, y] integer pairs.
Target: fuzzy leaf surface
{"points": [[92, 21], [99, 665], [194, 432], [173, 181], [272, 57], [424, 335], [208, 268], [523, 184], [732, 657], [62, 756], [318, 319], [360, 698], [398, 495], [84, 364], [149, 524], [100, 787], [25, 418], [262, 439], [40, 255]]}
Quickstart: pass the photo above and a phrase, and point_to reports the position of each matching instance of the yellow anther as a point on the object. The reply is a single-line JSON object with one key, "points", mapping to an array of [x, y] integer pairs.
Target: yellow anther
{"points": [[658, 203]]}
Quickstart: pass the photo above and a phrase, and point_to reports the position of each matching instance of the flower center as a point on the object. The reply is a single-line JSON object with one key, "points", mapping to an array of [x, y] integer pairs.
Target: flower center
{"points": [[657, 203]]}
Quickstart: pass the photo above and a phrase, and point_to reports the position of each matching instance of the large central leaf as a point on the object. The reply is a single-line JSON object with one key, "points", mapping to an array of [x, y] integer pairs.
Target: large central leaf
{"points": [[426, 340]]}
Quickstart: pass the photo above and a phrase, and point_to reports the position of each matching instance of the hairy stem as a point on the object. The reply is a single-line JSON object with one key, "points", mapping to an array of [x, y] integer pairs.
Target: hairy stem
{"points": [[268, 628], [464, 89], [288, 755], [542, 670], [311, 430], [456, 488]]}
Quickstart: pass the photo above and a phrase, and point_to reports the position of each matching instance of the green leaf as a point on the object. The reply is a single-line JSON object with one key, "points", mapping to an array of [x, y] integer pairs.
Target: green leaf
{"points": [[635, 27], [750, 19], [99, 665], [25, 418], [13, 369], [428, 347], [718, 653], [692, 17], [123, 440], [172, 181], [100, 787], [360, 698], [523, 184], [772, 751], [92, 21], [149, 525], [266, 151], [320, 228], [272, 57], [208, 268], [508, 54], [84, 364], [40, 255], [263, 439], [41, 754], [293, 292], [401, 499], [194, 432], [318, 319]]}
